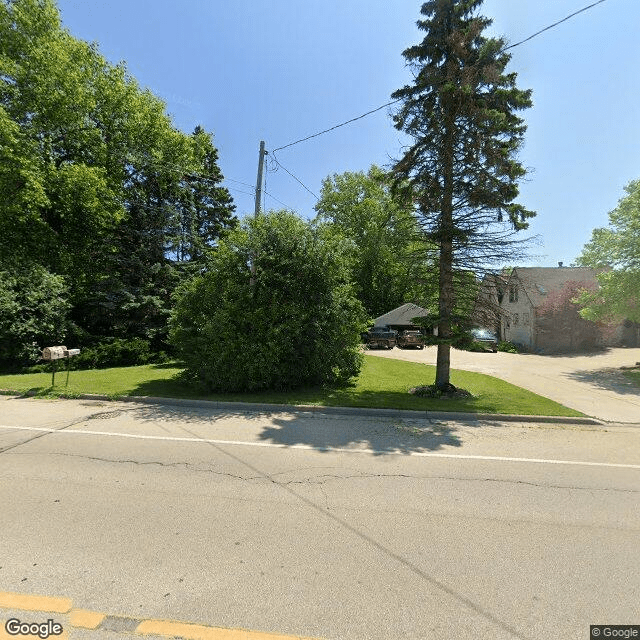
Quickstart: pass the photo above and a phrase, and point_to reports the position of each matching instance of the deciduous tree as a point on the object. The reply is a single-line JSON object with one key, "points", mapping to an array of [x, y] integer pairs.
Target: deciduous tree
{"points": [[96, 183], [558, 318], [616, 249], [389, 264]]}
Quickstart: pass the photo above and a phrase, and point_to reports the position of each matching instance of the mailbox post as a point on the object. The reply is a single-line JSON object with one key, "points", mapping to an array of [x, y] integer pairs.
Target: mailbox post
{"points": [[53, 354]]}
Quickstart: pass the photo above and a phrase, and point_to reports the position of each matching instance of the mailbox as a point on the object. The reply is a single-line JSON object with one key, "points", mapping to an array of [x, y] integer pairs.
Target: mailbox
{"points": [[57, 353], [54, 353]]}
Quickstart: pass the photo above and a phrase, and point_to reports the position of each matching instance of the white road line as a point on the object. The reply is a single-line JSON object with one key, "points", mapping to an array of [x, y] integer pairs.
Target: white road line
{"points": [[307, 447]]}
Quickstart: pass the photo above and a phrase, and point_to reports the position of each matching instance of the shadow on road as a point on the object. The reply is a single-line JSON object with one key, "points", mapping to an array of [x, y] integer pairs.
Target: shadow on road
{"points": [[191, 415], [608, 379], [592, 353], [320, 431], [381, 435]]}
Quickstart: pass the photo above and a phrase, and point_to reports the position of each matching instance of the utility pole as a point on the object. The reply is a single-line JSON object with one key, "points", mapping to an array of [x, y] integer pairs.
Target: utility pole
{"points": [[263, 153]]}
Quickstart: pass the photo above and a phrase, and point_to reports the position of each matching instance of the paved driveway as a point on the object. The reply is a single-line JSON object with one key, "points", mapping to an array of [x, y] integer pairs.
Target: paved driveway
{"points": [[592, 384]]}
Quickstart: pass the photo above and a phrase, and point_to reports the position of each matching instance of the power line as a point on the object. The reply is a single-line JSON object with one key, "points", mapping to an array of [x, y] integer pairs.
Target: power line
{"points": [[264, 192], [284, 204], [315, 135], [246, 184], [555, 24], [294, 177], [236, 190], [388, 104], [158, 165]]}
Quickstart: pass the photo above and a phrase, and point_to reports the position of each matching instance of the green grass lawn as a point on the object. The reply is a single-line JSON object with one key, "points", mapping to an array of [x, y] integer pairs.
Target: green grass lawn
{"points": [[634, 376], [383, 383]]}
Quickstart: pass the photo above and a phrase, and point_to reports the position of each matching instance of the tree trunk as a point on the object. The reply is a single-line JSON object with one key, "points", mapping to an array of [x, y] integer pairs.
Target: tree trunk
{"points": [[446, 302], [446, 294]]}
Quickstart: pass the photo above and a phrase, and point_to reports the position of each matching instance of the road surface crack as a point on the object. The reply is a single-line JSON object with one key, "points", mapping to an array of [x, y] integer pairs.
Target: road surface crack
{"points": [[185, 465], [325, 478]]}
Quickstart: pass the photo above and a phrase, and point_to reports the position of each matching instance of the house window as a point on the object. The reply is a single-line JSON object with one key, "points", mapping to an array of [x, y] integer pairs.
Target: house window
{"points": [[525, 319], [516, 319], [513, 293]]}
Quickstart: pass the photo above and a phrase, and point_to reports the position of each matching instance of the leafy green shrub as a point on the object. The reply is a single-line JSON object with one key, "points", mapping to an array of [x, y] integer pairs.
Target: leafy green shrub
{"points": [[508, 347], [114, 353], [119, 353], [33, 311], [294, 322], [478, 347]]}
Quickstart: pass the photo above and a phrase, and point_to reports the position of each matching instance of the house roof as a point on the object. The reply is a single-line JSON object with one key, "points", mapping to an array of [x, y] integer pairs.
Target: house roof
{"points": [[402, 315], [539, 281]]}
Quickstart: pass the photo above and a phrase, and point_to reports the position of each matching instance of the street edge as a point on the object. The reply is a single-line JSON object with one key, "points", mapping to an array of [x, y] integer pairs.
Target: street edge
{"points": [[358, 411]]}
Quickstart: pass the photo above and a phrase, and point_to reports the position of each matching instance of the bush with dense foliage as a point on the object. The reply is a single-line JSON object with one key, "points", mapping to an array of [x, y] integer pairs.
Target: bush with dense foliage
{"points": [[114, 352], [507, 347], [33, 314], [294, 322]]}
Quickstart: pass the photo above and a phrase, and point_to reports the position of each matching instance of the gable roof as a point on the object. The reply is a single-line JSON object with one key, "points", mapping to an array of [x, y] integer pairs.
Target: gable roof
{"points": [[540, 281], [402, 315]]}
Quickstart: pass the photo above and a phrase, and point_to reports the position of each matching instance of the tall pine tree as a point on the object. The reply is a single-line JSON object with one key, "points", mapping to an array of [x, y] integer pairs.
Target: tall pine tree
{"points": [[462, 163], [206, 208]]}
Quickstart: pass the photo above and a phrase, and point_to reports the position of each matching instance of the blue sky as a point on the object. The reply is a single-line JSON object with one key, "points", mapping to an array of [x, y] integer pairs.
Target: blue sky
{"points": [[280, 70]]}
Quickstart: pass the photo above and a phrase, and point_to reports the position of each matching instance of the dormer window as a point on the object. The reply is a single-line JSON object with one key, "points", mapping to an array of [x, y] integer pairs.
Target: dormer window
{"points": [[513, 293]]}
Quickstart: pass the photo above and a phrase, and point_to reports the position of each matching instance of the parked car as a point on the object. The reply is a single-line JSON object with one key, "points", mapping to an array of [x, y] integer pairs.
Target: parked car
{"points": [[410, 339], [486, 338], [381, 338]]}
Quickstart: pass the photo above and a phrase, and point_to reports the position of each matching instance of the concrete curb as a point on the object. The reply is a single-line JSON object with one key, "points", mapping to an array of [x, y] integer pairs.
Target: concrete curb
{"points": [[355, 411]]}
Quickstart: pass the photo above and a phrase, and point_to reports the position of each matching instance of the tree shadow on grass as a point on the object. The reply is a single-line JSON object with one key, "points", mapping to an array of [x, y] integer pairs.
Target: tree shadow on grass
{"points": [[168, 365], [38, 392], [174, 387], [343, 396]]}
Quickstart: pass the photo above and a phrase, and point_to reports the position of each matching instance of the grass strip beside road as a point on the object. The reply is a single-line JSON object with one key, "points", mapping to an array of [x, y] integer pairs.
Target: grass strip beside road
{"points": [[382, 383]]}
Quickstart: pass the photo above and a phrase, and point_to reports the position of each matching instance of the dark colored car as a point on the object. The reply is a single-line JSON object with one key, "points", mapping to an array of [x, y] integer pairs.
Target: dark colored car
{"points": [[381, 338], [486, 338], [410, 339]]}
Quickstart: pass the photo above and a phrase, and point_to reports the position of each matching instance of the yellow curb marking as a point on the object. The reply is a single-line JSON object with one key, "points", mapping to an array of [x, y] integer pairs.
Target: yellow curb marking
{"points": [[199, 632], [34, 603], [82, 618], [85, 619], [4, 635]]}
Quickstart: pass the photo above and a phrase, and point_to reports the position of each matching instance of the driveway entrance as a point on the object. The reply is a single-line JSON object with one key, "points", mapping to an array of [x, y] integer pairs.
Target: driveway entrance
{"points": [[590, 383]]}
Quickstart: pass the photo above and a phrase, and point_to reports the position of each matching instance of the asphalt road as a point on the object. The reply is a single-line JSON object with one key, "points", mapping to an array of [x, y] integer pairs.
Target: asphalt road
{"points": [[590, 383], [321, 526]]}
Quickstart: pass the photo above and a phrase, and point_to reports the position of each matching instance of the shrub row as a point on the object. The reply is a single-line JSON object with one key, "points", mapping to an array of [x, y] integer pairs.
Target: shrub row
{"points": [[117, 352]]}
